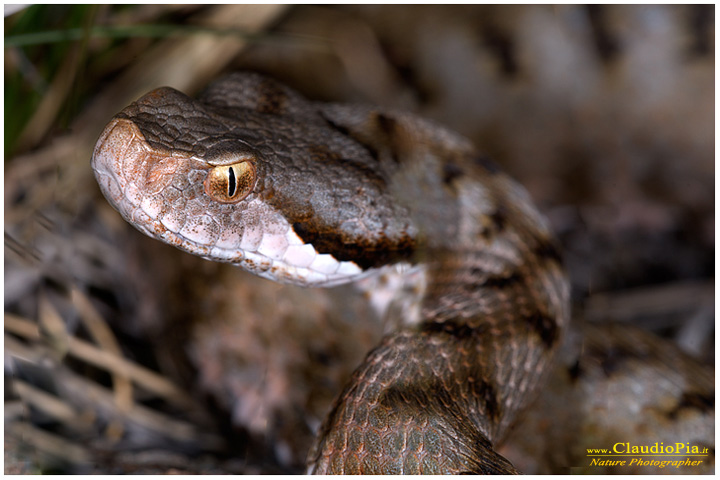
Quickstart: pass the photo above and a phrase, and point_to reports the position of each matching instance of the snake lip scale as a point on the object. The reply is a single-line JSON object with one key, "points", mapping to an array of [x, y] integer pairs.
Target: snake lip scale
{"points": [[316, 194]]}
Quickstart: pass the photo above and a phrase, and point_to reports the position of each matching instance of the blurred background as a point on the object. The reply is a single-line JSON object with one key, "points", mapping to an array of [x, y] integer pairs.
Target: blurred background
{"points": [[123, 355]]}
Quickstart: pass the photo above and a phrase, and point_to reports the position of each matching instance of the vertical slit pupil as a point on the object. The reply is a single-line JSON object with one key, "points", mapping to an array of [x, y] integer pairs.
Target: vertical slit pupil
{"points": [[232, 184]]}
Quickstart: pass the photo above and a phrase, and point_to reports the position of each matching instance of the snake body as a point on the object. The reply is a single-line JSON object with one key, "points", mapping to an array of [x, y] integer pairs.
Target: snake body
{"points": [[318, 194]]}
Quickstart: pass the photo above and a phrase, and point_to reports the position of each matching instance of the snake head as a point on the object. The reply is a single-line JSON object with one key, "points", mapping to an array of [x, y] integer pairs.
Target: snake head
{"points": [[188, 175]]}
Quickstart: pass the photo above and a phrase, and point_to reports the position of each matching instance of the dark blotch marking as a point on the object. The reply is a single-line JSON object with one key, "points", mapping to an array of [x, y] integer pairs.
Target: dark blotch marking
{"points": [[502, 46], [458, 329], [385, 123], [545, 326], [499, 218], [389, 129], [605, 45], [547, 250], [575, 371], [499, 282], [611, 358], [322, 154], [705, 403], [490, 166], [611, 364], [451, 172], [366, 254], [401, 397], [342, 129], [702, 21], [498, 223], [487, 393], [426, 398], [346, 132], [271, 99]]}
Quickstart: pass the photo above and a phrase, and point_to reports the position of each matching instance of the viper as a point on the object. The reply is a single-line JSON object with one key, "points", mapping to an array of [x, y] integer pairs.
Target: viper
{"points": [[320, 194]]}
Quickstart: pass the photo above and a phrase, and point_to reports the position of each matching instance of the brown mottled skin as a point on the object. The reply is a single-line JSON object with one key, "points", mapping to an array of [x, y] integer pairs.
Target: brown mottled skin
{"points": [[378, 187]]}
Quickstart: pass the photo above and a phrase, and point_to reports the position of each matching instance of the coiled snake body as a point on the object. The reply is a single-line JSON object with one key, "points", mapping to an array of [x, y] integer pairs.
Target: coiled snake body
{"points": [[317, 194]]}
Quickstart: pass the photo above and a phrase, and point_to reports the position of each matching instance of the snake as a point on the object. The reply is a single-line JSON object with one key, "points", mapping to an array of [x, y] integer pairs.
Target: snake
{"points": [[319, 194]]}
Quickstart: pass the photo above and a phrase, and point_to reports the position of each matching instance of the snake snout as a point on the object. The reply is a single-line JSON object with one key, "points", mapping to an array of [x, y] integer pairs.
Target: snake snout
{"points": [[129, 172], [107, 162]]}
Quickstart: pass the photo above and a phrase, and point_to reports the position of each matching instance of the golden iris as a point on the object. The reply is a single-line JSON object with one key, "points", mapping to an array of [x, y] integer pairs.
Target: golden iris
{"points": [[230, 183]]}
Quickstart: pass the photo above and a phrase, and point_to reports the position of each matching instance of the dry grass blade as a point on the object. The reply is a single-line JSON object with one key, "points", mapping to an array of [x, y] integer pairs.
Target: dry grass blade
{"points": [[21, 326], [107, 341], [80, 394], [101, 398], [52, 101], [113, 363], [150, 380], [52, 325], [29, 353], [49, 404]]}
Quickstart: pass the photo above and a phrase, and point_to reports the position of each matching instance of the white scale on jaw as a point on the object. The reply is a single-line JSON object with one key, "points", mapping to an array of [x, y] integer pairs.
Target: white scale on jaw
{"points": [[270, 250]]}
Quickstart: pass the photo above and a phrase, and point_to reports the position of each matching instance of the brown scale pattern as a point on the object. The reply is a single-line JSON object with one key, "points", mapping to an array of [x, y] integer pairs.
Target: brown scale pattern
{"points": [[417, 417]]}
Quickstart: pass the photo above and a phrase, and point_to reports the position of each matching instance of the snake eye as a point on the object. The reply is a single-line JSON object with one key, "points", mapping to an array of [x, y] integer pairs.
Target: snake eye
{"points": [[230, 183]]}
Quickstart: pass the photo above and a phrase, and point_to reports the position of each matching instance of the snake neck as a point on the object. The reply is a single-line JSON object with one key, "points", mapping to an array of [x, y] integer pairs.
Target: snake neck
{"points": [[492, 307]]}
